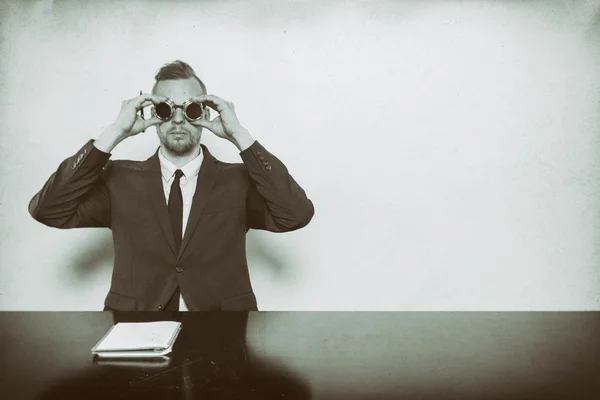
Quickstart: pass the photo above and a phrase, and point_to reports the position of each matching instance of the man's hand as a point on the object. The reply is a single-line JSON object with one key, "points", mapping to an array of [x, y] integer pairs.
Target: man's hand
{"points": [[226, 125], [128, 122]]}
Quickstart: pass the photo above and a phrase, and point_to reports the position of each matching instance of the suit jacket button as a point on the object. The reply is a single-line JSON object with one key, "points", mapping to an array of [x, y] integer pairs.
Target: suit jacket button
{"points": [[160, 307], [179, 269]]}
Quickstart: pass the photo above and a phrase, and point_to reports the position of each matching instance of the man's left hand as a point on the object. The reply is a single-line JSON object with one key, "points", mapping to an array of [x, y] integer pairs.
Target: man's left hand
{"points": [[226, 125]]}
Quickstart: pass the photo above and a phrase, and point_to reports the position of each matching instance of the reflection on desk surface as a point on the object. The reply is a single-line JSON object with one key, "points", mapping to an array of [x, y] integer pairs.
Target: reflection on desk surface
{"points": [[311, 355], [148, 363]]}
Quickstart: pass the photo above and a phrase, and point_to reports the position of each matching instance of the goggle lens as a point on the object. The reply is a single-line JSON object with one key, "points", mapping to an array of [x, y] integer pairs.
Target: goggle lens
{"points": [[163, 111], [193, 111]]}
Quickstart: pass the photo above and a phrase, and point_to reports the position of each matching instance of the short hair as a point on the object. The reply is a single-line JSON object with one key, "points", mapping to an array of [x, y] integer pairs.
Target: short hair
{"points": [[177, 70]]}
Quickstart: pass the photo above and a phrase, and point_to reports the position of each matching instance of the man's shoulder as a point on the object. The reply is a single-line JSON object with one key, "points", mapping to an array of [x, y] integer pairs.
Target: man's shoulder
{"points": [[126, 166], [130, 164], [232, 172], [229, 166]]}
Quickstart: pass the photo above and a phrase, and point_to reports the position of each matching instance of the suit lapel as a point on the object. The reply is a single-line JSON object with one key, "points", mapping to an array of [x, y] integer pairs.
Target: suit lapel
{"points": [[206, 180], [154, 185]]}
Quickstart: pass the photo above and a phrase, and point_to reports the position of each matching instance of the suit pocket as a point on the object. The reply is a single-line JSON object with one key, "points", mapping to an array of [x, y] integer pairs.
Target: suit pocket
{"points": [[120, 302], [244, 302]]}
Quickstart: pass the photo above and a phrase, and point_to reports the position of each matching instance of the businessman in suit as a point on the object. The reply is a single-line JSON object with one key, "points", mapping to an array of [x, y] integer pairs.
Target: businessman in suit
{"points": [[179, 219]]}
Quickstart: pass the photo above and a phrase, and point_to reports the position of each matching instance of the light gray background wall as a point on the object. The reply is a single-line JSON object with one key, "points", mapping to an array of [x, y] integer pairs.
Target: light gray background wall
{"points": [[450, 148]]}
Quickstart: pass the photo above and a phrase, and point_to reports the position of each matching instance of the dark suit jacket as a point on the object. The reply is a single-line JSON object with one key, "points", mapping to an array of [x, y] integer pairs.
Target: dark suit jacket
{"points": [[89, 190]]}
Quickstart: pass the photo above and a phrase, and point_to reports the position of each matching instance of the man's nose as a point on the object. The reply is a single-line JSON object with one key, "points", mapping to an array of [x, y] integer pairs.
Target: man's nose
{"points": [[178, 117]]}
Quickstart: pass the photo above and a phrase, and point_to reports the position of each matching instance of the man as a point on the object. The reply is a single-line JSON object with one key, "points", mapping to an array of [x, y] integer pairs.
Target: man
{"points": [[179, 219]]}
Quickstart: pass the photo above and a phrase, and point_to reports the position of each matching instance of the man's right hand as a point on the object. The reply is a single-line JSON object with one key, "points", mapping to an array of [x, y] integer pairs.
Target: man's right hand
{"points": [[128, 122]]}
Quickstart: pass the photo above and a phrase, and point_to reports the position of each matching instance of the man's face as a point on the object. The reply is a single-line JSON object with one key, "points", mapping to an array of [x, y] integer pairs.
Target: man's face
{"points": [[177, 134]]}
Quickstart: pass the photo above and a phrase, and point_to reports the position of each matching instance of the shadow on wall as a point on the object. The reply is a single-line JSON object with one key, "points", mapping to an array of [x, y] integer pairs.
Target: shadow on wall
{"points": [[262, 254], [98, 254]]}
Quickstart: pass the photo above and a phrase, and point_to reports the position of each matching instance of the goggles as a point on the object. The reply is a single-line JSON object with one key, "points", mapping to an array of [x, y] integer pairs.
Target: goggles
{"points": [[193, 111]]}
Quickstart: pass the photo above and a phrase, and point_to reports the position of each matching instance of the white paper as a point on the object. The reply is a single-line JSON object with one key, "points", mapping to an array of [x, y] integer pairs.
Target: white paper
{"points": [[139, 336]]}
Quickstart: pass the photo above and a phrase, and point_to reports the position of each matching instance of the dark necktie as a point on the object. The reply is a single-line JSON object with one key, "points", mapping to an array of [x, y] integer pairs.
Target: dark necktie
{"points": [[176, 208], [176, 213]]}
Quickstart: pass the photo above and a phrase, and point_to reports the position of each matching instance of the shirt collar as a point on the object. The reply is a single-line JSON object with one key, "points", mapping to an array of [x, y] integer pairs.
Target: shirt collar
{"points": [[190, 170]]}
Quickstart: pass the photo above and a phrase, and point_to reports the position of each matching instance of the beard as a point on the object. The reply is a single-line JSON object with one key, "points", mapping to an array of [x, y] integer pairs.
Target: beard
{"points": [[182, 143]]}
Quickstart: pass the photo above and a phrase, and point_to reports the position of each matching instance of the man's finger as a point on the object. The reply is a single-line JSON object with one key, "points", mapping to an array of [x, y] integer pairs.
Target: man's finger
{"points": [[145, 104], [212, 101], [148, 99]]}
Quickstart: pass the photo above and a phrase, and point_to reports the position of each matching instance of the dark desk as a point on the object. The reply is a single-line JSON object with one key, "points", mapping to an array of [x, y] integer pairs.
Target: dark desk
{"points": [[310, 355]]}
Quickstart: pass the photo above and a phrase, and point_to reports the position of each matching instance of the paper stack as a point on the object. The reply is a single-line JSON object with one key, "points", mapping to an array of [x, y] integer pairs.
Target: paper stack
{"points": [[138, 340]]}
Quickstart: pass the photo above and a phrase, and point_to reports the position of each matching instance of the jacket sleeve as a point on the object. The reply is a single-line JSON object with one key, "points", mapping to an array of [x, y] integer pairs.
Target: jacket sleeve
{"points": [[275, 201], [76, 194]]}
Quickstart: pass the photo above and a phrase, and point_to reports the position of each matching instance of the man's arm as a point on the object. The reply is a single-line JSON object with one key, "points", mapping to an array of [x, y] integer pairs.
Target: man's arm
{"points": [[275, 201], [75, 195]]}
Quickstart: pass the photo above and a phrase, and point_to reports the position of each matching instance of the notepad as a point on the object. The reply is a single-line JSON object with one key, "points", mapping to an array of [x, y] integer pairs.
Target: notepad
{"points": [[138, 340]]}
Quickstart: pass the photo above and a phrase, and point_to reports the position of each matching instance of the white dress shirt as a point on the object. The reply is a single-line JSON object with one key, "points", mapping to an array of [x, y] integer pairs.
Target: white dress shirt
{"points": [[188, 187]]}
